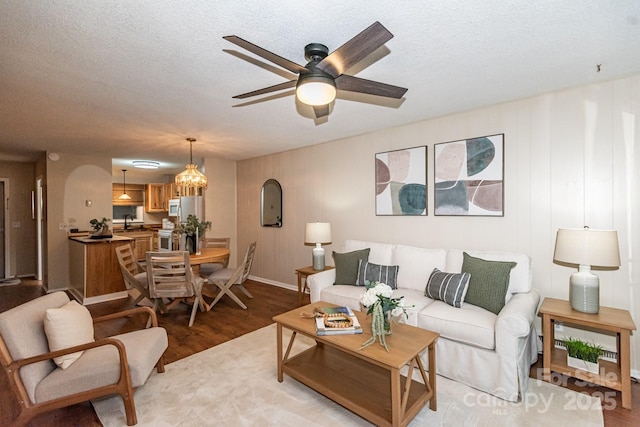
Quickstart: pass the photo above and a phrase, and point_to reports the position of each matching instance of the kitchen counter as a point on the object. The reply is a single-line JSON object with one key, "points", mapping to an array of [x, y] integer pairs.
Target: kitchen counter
{"points": [[115, 238], [94, 271]]}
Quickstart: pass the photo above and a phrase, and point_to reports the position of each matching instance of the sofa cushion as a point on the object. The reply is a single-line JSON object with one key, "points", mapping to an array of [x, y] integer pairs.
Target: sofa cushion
{"points": [[380, 253], [347, 265], [469, 324], [520, 278], [416, 264], [68, 326], [414, 302], [343, 295], [369, 272], [448, 287], [489, 282]]}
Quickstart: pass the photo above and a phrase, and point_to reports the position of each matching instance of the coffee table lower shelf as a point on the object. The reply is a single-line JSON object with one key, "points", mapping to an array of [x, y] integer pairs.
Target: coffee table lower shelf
{"points": [[363, 388]]}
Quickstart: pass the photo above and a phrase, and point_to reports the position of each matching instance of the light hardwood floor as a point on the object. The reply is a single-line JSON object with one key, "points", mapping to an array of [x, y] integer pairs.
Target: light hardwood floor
{"points": [[225, 322]]}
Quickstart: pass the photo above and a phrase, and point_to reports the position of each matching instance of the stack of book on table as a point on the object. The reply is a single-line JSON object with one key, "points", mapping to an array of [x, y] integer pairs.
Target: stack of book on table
{"points": [[337, 321]]}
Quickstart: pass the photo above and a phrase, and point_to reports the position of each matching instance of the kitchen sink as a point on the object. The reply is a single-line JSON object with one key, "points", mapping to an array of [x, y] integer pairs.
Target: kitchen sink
{"points": [[133, 229]]}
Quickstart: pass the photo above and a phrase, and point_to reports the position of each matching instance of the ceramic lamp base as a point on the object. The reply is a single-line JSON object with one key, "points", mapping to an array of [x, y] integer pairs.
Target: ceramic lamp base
{"points": [[318, 258], [584, 291]]}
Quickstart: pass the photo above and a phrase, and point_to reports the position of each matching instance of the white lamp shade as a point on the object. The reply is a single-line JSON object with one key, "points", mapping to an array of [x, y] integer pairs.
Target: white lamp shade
{"points": [[585, 246], [318, 232]]}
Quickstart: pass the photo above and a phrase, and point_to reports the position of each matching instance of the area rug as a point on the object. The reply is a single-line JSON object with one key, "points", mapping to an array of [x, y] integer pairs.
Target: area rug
{"points": [[235, 384]]}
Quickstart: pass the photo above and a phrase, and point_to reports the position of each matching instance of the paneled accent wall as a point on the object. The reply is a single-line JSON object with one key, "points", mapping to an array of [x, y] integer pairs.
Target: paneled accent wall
{"points": [[572, 158]]}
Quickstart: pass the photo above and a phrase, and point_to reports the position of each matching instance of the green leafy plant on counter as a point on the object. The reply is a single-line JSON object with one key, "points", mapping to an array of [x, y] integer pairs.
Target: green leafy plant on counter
{"points": [[583, 350], [99, 225]]}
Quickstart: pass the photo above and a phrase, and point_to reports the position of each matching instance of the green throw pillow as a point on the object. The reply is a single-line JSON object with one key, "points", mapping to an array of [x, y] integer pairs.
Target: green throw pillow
{"points": [[489, 282], [347, 265]]}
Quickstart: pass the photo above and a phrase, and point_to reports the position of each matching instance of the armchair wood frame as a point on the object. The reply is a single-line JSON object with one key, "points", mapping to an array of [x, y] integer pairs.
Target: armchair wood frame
{"points": [[28, 410]]}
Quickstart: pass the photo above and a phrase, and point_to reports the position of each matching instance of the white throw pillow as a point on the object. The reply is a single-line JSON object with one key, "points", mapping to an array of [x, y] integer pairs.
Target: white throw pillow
{"points": [[66, 327]]}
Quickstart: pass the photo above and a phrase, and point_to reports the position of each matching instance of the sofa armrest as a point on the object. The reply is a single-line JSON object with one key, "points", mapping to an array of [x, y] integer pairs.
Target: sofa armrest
{"points": [[319, 281], [514, 322]]}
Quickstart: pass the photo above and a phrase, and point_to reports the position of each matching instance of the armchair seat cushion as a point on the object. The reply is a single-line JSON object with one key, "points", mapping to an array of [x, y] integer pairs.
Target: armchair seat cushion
{"points": [[100, 366]]}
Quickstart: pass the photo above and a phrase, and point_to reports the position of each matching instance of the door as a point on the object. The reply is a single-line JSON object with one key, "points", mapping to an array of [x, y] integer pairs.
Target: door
{"points": [[40, 228], [3, 236]]}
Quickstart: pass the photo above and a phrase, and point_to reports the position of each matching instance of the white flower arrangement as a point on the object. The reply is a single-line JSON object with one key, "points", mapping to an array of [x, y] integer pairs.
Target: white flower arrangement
{"points": [[378, 299]]}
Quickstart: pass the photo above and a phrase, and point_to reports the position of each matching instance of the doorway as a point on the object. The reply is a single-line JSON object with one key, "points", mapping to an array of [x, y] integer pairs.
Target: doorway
{"points": [[40, 228], [4, 229]]}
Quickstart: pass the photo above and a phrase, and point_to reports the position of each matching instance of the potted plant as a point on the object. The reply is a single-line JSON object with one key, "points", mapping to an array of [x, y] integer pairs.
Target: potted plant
{"points": [[583, 355], [101, 228], [194, 230]]}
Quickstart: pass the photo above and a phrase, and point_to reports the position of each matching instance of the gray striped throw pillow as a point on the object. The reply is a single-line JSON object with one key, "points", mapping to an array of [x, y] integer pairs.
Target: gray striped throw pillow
{"points": [[448, 287], [370, 272]]}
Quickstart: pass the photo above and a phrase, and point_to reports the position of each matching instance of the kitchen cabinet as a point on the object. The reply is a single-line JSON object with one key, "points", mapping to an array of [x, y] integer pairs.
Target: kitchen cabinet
{"points": [[155, 200], [94, 271], [136, 191], [171, 191], [143, 241]]}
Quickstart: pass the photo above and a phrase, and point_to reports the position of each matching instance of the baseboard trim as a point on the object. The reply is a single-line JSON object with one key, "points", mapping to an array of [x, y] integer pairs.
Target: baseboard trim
{"points": [[274, 283]]}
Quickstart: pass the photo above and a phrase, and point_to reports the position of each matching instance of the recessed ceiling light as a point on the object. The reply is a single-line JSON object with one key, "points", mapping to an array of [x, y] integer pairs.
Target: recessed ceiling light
{"points": [[146, 164]]}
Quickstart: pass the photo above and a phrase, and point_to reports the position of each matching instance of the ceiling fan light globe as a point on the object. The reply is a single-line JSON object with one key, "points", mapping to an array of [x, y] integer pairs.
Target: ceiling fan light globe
{"points": [[316, 90]]}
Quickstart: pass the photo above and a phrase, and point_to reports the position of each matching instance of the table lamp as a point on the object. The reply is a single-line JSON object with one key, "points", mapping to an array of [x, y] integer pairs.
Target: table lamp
{"points": [[318, 233], [586, 248]]}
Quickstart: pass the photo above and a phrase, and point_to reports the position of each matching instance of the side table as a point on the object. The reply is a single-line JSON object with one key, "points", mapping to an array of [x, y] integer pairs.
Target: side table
{"points": [[302, 273], [616, 376]]}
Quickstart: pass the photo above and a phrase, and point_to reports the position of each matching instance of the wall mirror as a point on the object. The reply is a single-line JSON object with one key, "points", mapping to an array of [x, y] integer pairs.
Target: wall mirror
{"points": [[271, 204]]}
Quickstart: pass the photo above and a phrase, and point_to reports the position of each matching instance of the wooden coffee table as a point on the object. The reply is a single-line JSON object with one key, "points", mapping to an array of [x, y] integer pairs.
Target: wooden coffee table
{"points": [[367, 381]]}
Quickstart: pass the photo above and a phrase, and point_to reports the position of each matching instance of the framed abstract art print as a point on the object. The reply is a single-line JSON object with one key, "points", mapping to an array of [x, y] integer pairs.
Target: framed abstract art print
{"points": [[401, 182], [469, 177]]}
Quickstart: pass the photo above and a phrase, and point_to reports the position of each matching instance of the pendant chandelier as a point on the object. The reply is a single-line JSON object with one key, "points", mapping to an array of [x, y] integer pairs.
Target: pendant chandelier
{"points": [[191, 177], [124, 195]]}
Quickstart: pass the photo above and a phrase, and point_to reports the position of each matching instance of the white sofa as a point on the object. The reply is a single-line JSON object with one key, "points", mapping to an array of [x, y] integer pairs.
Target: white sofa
{"points": [[490, 352]]}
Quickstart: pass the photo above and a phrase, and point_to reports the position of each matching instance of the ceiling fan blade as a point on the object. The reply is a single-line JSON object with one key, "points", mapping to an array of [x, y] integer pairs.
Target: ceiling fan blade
{"points": [[321, 110], [355, 49], [274, 88], [356, 84], [270, 56]]}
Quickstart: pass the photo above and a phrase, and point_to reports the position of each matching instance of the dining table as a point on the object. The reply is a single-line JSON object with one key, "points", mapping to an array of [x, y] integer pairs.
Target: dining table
{"points": [[208, 255]]}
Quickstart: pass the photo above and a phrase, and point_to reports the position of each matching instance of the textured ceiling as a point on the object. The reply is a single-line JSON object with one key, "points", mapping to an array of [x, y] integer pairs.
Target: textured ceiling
{"points": [[132, 79]]}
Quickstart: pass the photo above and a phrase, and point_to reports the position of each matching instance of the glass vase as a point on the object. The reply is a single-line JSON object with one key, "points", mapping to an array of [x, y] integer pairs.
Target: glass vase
{"points": [[387, 322]]}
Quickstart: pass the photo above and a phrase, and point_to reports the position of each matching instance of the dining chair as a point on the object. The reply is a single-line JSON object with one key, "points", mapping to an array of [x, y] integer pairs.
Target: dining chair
{"points": [[211, 267], [169, 275], [225, 278], [135, 277]]}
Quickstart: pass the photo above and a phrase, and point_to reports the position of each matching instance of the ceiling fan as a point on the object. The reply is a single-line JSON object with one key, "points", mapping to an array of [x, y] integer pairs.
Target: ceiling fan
{"points": [[318, 81]]}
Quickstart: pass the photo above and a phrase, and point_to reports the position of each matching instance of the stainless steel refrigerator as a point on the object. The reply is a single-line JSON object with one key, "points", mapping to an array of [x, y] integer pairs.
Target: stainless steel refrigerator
{"points": [[190, 205]]}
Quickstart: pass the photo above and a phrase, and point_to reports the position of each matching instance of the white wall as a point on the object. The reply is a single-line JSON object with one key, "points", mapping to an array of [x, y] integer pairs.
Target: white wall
{"points": [[571, 159], [71, 181]]}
